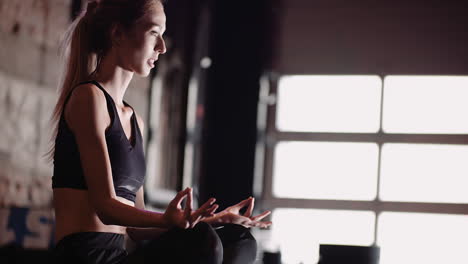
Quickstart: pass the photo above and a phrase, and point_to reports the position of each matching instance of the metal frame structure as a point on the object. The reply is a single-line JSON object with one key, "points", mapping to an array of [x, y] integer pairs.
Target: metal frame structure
{"points": [[269, 136]]}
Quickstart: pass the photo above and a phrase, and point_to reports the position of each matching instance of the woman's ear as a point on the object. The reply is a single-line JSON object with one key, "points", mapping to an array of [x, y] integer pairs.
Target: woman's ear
{"points": [[116, 34]]}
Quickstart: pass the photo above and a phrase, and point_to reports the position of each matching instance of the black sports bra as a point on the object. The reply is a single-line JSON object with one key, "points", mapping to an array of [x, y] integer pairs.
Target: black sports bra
{"points": [[126, 157]]}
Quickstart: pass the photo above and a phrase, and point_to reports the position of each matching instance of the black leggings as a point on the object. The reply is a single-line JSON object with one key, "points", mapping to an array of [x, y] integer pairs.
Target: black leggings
{"points": [[202, 244]]}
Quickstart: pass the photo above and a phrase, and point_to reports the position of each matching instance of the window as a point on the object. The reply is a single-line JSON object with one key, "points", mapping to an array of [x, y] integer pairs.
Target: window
{"points": [[425, 104], [307, 170], [299, 231], [424, 173], [365, 160], [423, 238], [329, 104]]}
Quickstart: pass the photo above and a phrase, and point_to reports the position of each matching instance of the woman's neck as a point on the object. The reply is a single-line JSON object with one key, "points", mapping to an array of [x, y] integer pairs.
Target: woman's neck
{"points": [[113, 78]]}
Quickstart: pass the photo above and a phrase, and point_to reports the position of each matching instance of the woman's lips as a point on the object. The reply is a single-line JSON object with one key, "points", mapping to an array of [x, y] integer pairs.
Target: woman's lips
{"points": [[151, 62]]}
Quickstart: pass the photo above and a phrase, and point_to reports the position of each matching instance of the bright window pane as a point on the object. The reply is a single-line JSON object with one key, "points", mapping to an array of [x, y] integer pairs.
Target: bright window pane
{"points": [[299, 232], [425, 104], [325, 103], [424, 173], [325, 170], [408, 238]]}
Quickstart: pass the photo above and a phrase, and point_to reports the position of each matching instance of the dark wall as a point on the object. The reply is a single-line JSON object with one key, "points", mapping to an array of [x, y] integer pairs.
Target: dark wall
{"points": [[311, 37], [373, 37], [239, 53]]}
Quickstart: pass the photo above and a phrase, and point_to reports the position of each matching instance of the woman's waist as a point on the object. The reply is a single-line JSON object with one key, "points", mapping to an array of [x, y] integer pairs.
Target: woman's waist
{"points": [[74, 214]]}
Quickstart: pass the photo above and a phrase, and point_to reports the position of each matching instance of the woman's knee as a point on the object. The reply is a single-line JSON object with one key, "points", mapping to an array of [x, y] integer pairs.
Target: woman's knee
{"points": [[240, 246], [233, 233], [208, 242]]}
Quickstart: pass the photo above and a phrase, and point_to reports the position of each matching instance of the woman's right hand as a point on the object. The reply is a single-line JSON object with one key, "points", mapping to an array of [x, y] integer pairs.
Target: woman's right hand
{"points": [[175, 215]]}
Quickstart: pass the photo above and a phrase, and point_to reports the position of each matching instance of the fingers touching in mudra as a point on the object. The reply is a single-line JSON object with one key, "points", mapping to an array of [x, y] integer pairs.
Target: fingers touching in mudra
{"points": [[175, 215], [232, 215]]}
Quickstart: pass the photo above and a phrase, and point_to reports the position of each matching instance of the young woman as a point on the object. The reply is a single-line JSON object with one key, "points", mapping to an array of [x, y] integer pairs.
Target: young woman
{"points": [[99, 164]]}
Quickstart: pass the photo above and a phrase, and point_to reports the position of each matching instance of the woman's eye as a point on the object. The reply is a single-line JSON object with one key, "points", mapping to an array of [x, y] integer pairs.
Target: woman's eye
{"points": [[154, 32]]}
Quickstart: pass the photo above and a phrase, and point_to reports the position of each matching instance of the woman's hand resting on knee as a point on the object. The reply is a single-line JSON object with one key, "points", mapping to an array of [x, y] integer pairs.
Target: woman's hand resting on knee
{"points": [[231, 215], [185, 218]]}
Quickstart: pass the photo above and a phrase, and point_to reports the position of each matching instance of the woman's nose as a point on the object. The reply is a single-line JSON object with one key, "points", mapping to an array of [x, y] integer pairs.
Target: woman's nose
{"points": [[161, 46]]}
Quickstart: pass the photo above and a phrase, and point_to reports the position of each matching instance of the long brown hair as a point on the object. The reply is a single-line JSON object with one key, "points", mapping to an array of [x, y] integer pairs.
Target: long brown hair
{"points": [[86, 41]]}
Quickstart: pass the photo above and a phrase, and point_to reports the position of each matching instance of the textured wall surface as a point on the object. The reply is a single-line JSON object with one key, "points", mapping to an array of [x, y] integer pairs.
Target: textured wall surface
{"points": [[30, 34], [24, 111]]}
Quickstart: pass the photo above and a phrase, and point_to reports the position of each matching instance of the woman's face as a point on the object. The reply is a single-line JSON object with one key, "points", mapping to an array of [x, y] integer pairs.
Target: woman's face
{"points": [[140, 48]]}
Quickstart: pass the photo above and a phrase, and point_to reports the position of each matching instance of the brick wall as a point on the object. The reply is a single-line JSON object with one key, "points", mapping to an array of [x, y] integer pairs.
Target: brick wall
{"points": [[30, 32]]}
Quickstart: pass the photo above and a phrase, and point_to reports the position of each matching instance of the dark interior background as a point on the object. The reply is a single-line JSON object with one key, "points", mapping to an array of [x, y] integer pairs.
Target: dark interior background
{"points": [[248, 39]]}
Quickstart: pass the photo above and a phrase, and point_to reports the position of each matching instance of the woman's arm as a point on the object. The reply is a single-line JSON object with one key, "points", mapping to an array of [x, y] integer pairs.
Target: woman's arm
{"points": [[88, 118], [137, 233]]}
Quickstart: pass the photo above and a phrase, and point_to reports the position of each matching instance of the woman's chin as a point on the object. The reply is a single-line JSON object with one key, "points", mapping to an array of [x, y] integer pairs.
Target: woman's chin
{"points": [[143, 72]]}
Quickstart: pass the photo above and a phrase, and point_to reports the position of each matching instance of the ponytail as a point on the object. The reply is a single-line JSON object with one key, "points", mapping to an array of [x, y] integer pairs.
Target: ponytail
{"points": [[86, 42], [79, 60]]}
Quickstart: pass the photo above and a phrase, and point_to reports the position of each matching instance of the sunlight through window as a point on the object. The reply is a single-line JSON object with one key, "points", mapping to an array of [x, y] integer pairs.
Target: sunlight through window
{"points": [[324, 103], [326, 170], [394, 178], [408, 238], [425, 104], [424, 173], [300, 232]]}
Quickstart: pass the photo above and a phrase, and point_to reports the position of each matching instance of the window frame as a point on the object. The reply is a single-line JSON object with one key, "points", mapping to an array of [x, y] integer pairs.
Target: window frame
{"points": [[269, 136]]}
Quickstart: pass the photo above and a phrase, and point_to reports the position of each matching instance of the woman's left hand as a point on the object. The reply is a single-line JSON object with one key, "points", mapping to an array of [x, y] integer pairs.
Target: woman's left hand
{"points": [[231, 215]]}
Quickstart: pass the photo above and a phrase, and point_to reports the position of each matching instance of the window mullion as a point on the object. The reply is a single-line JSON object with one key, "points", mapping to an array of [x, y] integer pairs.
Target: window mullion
{"points": [[376, 206], [380, 137]]}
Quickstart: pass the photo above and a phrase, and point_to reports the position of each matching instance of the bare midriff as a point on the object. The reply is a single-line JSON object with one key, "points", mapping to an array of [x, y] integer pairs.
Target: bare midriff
{"points": [[74, 213]]}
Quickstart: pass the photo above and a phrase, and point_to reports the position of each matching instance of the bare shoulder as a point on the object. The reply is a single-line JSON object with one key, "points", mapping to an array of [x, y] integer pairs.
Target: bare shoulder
{"points": [[87, 107], [88, 121]]}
